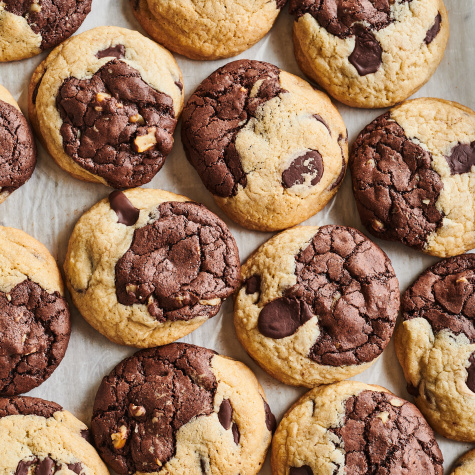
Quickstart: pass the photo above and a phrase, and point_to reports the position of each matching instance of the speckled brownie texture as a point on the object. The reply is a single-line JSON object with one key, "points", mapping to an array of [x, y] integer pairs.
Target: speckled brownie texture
{"points": [[465, 465], [316, 304], [182, 409], [271, 149], [352, 427], [412, 176]]}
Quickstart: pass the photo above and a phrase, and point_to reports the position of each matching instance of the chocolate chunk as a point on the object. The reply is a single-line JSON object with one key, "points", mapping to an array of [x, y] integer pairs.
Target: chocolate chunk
{"points": [[303, 470], [115, 125], [471, 373], [236, 434], [434, 30], [37, 88], [45, 467], [461, 158], [395, 188], [126, 212], [310, 164], [76, 467], [320, 119], [179, 85], [253, 284], [86, 434], [271, 423], [117, 51], [367, 55], [340, 177], [178, 263], [23, 466], [412, 390], [34, 334], [225, 414]]}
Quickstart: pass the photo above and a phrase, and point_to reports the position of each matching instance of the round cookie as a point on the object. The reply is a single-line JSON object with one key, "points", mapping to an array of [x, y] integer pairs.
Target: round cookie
{"points": [[17, 146], [370, 53], [105, 104], [413, 179], [271, 149], [27, 27], [207, 30], [356, 428], [182, 409], [435, 345], [465, 465], [146, 267], [34, 315], [40, 437], [316, 304]]}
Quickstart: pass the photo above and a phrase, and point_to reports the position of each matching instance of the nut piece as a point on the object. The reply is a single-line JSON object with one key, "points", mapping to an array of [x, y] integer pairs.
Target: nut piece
{"points": [[211, 303], [35, 8], [136, 118], [396, 402], [384, 416], [146, 142], [102, 96], [136, 411], [119, 438]]}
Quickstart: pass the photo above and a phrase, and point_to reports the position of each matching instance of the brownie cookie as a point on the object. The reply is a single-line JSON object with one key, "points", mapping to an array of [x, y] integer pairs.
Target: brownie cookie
{"points": [[316, 305], [39, 437], [146, 267], [465, 465], [17, 146], [413, 179], [354, 428], [370, 53], [182, 409], [34, 315], [270, 148], [27, 27], [105, 104], [207, 30], [435, 345]]}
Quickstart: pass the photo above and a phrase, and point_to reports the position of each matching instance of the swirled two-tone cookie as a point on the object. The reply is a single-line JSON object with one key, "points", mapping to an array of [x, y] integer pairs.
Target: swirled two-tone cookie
{"points": [[27, 27], [270, 148], [370, 53], [41, 438], [105, 104], [182, 409], [207, 30], [465, 465], [146, 267], [435, 345], [356, 428], [34, 315], [316, 305], [413, 176]]}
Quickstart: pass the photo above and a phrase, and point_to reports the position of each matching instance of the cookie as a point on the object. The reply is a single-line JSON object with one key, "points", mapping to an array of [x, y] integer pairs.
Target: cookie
{"points": [[435, 345], [270, 148], [465, 465], [146, 267], [182, 409], [316, 304], [34, 315], [39, 437], [372, 53], [356, 428], [17, 146], [207, 30], [413, 179], [28, 27], [105, 104]]}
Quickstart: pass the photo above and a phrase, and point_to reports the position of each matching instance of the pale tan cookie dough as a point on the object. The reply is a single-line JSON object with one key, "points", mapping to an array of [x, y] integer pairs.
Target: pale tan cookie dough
{"points": [[207, 29], [465, 465]]}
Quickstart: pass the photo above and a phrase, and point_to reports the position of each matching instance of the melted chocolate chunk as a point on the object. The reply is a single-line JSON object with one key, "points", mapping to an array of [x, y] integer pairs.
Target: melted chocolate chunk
{"points": [[320, 119], [23, 466], [434, 30], [225, 414], [303, 470], [253, 284], [117, 51], [126, 212], [34, 334], [471, 373], [271, 423], [179, 85], [174, 384], [115, 125], [461, 158], [367, 55], [412, 390], [236, 434], [395, 188], [46, 466], [309, 164]]}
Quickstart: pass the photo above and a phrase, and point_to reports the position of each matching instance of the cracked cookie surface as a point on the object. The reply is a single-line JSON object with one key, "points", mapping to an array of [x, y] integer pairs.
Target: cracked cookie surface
{"points": [[270, 148], [316, 305], [181, 408]]}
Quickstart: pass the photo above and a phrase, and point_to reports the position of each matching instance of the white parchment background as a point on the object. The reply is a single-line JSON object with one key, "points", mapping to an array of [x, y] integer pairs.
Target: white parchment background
{"points": [[48, 206]]}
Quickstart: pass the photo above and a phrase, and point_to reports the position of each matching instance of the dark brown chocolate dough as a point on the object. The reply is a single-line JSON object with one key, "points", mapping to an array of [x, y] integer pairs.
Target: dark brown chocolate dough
{"points": [[185, 258], [461, 158], [117, 51], [126, 212], [17, 149], [280, 3], [55, 20], [395, 188], [349, 283], [308, 164], [303, 470], [404, 443], [434, 30], [115, 125], [34, 335]]}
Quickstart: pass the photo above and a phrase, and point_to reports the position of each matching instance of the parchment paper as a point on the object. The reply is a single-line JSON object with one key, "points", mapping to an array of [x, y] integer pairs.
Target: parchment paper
{"points": [[48, 206]]}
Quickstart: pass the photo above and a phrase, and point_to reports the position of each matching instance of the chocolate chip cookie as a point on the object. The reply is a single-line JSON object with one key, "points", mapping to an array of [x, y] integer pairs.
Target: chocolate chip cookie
{"points": [[41, 438], [413, 179], [270, 148], [207, 30], [316, 305], [370, 53], [105, 104], [146, 267], [27, 27], [355, 428], [34, 315], [17, 146], [435, 345], [182, 409], [465, 465]]}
